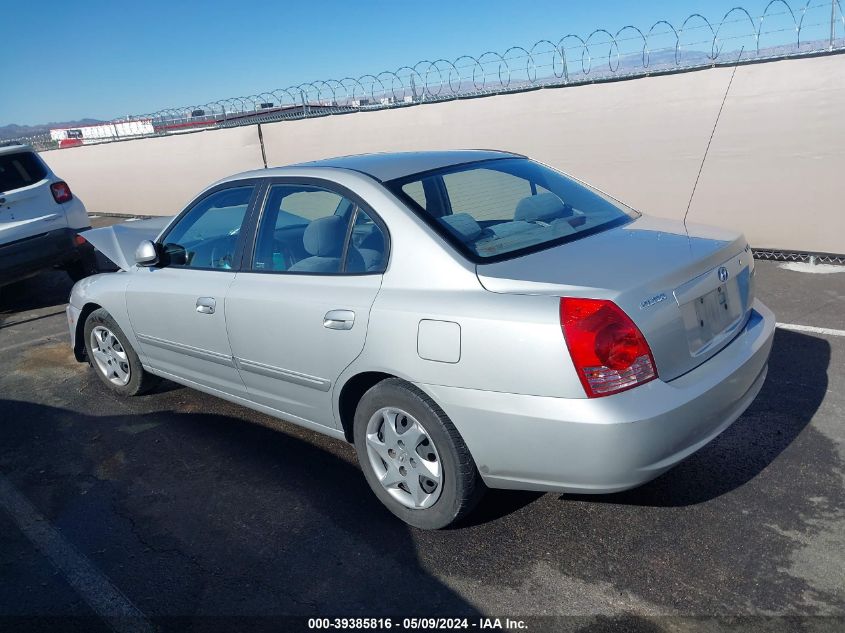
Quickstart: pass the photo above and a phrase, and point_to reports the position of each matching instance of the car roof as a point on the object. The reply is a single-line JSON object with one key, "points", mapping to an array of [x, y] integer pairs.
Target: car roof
{"points": [[382, 167], [14, 148], [391, 165]]}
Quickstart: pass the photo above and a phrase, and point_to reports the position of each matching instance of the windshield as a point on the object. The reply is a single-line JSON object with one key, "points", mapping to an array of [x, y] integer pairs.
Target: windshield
{"points": [[496, 209]]}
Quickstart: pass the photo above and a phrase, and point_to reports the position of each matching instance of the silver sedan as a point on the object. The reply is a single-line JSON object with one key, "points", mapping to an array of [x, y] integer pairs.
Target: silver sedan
{"points": [[467, 319]]}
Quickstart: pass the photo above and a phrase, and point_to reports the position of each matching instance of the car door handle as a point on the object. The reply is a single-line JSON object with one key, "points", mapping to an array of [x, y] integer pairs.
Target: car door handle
{"points": [[339, 319], [206, 305]]}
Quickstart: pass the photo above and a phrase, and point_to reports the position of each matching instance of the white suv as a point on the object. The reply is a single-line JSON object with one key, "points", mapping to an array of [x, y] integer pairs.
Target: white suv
{"points": [[39, 219]]}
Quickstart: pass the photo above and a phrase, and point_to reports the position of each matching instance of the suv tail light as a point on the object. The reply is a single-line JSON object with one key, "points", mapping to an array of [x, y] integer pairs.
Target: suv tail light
{"points": [[61, 192], [608, 349]]}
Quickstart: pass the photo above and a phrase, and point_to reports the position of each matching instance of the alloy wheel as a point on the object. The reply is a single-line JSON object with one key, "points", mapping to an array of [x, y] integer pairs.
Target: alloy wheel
{"points": [[109, 356]]}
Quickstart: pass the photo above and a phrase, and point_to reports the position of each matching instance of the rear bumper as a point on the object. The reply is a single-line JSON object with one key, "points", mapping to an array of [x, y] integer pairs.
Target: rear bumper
{"points": [[615, 443], [24, 257]]}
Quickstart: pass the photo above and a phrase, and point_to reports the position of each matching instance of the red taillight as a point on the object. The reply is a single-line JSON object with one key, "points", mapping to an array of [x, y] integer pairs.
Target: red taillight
{"points": [[608, 349], [79, 240], [61, 192]]}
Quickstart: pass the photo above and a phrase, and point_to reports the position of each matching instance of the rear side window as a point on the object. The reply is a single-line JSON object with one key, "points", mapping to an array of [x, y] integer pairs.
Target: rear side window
{"points": [[308, 229], [502, 208], [20, 170], [367, 244]]}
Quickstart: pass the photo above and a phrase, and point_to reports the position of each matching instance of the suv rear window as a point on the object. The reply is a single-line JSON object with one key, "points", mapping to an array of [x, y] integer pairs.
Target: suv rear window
{"points": [[502, 208], [20, 170]]}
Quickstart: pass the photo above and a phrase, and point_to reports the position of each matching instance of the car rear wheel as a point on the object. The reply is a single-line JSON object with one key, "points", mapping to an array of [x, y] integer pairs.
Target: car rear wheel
{"points": [[413, 457], [112, 357]]}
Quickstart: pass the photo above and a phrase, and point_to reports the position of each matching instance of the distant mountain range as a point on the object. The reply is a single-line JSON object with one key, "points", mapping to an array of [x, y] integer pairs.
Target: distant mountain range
{"points": [[18, 131]]}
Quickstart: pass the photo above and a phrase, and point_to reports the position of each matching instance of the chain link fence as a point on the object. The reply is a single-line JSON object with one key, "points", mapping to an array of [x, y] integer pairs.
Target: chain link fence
{"points": [[781, 29], [791, 256]]}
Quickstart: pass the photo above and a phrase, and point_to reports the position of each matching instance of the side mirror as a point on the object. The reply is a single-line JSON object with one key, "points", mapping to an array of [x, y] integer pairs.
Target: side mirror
{"points": [[174, 255], [146, 254]]}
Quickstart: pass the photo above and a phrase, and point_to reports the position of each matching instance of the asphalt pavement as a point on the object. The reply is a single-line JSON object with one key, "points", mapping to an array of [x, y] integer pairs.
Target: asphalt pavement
{"points": [[177, 510]]}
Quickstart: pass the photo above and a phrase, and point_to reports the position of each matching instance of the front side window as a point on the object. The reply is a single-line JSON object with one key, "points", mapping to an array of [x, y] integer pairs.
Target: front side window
{"points": [[500, 208], [309, 229], [207, 235]]}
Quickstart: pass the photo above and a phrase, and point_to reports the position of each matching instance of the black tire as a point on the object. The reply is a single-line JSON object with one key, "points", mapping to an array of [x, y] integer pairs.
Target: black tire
{"points": [[462, 486], [140, 381]]}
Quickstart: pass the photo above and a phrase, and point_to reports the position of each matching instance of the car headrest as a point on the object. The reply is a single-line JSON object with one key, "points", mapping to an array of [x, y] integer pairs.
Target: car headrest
{"points": [[373, 241], [324, 237], [463, 225], [543, 206]]}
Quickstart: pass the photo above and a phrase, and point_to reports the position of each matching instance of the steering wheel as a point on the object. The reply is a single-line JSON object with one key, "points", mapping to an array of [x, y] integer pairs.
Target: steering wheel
{"points": [[221, 252]]}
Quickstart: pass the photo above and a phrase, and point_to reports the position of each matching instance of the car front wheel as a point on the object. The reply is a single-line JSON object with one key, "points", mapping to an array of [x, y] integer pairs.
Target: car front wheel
{"points": [[413, 457], [112, 357]]}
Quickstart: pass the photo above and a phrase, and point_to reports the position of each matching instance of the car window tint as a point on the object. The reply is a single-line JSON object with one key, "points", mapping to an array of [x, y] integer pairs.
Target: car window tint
{"points": [[494, 208], [302, 229], [310, 204], [416, 192], [206, 236], [20, 170], [485, 193], [368, 243]]}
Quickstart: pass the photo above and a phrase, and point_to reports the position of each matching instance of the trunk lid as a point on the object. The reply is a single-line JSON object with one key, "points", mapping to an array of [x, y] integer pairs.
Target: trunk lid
{"points": [[689, 290]]}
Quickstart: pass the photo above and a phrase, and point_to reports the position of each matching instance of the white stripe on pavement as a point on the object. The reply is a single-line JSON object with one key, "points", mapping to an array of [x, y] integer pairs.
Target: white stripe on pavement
{"points": [[811, 329], [97, 590]]}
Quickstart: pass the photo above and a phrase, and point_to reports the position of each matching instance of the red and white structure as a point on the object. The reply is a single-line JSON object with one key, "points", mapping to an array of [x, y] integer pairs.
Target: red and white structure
{"points": [[101, 132]]}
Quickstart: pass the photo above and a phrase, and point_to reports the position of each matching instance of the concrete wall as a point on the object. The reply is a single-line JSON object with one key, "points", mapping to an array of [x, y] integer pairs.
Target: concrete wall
{"points": [[777, 162], [771, 172], [640, 140], [154, 176]]}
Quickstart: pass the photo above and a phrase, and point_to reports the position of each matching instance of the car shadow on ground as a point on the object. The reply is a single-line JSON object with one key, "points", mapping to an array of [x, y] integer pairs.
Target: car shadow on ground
{"points": [[497, 504], [794, 390], [204, 517], [47, 289]]}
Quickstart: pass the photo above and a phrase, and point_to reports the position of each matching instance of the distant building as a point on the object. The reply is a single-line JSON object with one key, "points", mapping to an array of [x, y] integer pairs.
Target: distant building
{"points": [[100, 132]]}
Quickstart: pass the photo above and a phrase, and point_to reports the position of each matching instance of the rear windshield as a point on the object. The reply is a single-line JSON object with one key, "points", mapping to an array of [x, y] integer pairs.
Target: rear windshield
{"points": [[502, 208], [20, 170]]}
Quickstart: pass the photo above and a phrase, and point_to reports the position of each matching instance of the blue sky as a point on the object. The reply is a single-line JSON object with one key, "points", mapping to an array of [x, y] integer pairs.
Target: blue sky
{"points": [[67, 60]]}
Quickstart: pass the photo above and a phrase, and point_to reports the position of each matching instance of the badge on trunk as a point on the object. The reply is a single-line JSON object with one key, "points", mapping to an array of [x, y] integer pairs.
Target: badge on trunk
{"points": [[723, 274], [652, 300]]}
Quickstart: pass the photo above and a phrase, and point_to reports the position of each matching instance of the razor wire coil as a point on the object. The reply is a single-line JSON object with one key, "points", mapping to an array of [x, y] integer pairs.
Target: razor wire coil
{"points": [[603, 54]]}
